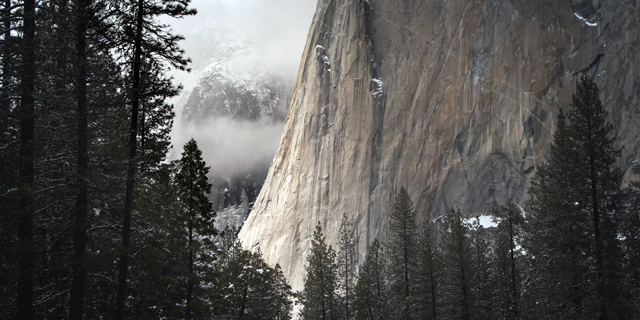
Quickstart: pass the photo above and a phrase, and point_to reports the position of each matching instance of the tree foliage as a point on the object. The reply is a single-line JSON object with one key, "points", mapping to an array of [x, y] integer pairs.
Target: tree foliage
{"points": [[371, 292], [575, 197], [456, 259], [425, 286], [249, 288], [402, 250], [507, 263], [346, 266], [319, 299]]}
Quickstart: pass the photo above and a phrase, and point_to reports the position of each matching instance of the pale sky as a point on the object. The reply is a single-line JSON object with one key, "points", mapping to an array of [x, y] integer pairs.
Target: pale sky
{"points": [[278, 27]]}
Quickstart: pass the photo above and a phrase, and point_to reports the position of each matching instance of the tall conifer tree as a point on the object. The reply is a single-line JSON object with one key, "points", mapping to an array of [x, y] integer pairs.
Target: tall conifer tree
{"points": [[506, 260], [402, 250], [193, 187], [426, 279], [346, 267], [575, 196], [143, 37], [457, 268], [319, 298], [371, 293]]}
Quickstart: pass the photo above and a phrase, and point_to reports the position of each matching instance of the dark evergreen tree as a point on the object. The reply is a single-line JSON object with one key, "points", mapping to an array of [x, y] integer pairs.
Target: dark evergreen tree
{"points": [[630, 222], [248, 288], [480, 283], [553, 232], [402, 250], [346, 266], [193, 188], [9, 153], [575, 196], [371, 293], [456, 273], [425, 286], [143, 37], [506, 261], [319, 299]]}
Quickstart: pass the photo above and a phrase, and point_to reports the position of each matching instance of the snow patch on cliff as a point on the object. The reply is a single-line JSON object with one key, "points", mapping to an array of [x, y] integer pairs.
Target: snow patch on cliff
{"points": [[377, 88], [585, 20]]}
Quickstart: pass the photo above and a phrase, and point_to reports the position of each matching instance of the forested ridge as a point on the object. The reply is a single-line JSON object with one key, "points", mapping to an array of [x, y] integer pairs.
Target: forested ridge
{"points": [[569, 252], [96, 222]]}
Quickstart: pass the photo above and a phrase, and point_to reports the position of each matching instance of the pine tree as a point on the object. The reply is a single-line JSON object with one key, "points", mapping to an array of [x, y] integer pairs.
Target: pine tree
{"points": [[248, 288], [319, 299], [631, 234], [193, 187], [552, 238], [9, 173], [506, 261], [456, 261], [346, 266], [143, 37], [575, 196], [370, 301], [425, 286], [480, 283], [402, 250]]}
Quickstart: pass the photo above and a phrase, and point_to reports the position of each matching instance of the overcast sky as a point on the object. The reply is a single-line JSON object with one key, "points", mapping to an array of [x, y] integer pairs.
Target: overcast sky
{"points": [[278, 27]]}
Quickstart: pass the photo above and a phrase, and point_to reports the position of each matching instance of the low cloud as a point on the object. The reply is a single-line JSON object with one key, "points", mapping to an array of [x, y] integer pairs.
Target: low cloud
{"points": [[277, 29], [231, 145]]}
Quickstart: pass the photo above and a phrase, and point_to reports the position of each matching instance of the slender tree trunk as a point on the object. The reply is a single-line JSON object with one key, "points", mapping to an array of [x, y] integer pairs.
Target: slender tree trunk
{"points": [[406, 266], [27, 110], [596, 232], [6, 61], [514, 288], [80, 230], [346, 280], [244, 299], [433, 284], [465, 298], [190, 275], [322, 284], [131, 167]]}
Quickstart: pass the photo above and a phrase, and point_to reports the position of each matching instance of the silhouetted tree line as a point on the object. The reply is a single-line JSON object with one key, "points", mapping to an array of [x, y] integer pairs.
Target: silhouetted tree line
{"points": [[94, 222], [571, 252]]}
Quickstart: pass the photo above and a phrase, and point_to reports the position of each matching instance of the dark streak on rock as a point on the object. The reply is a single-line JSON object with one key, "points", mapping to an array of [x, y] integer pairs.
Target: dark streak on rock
{"points": [[592, 69]]}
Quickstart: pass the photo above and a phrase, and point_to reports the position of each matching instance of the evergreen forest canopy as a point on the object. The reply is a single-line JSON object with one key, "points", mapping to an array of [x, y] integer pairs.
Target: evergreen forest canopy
{"points": [[97, 224], [570, 253]]}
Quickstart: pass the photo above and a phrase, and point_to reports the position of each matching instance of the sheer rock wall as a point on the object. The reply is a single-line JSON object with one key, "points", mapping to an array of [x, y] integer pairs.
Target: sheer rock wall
{"points": [[454, 100]]}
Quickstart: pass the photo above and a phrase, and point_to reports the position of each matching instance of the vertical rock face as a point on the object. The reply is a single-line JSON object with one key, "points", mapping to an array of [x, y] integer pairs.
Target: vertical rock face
{"points": [[454, 100]]}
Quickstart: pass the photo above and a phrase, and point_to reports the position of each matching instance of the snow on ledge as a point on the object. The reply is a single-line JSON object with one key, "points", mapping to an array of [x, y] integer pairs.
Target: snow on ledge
{"points": [[377, 87], [585, 20]]}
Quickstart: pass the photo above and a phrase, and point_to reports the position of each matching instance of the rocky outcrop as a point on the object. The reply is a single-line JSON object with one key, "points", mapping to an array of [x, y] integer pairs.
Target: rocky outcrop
{"points": [[454, 100]]}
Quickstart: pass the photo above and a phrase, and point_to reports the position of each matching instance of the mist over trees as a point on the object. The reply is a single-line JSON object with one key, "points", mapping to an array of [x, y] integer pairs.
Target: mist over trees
{"points": [[571, 251], [96, 223]]}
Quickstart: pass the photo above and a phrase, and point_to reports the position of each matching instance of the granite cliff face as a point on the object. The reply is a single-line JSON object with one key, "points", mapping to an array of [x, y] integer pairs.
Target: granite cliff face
{"points": [[454, 100]]}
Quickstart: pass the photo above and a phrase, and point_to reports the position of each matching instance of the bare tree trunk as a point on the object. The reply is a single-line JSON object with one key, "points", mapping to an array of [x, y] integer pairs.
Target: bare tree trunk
{"points": [[190, 275], [6, 62], [27, 110], [131, 170], [80, 228]]}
